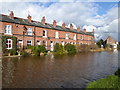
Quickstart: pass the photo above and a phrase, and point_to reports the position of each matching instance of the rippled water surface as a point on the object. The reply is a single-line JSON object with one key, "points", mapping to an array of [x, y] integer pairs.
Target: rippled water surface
{"points": [[68, 71]]}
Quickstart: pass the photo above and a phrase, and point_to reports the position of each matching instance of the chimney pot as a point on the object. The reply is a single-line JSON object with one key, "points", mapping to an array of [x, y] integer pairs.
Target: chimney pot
{"points": [[11, 15]]}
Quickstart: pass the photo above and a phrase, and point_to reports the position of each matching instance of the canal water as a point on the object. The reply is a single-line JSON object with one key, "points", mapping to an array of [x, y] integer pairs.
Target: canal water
{"points": [[68, 71]]}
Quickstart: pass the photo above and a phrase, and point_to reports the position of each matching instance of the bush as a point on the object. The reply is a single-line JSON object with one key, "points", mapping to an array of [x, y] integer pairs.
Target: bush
{"points": [[23, 53], [59, 49], [118, 47], [100, 42], [12, 52], [70, 48], [117, 73], [83, 48], [38, 49]]}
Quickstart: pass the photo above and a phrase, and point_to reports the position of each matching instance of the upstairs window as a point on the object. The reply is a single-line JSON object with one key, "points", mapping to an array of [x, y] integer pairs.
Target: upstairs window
{"points": [[57, 35], [44, 33], [81, 37], [74, 38], [29, 42], [67, 36], [9, 43], [29, 31], [8, 29]]}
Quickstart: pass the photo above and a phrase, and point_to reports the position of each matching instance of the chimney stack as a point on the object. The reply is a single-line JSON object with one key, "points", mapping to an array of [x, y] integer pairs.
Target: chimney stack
{"points": [[29, 18], [84, 29], [43, 20], [63, 25], [71, 26], [11, 15], [93, 30], [78, 29], [54, 23]]}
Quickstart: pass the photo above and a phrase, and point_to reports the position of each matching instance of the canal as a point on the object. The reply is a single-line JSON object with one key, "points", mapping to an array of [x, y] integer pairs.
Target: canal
{"points": [[68, 71]]}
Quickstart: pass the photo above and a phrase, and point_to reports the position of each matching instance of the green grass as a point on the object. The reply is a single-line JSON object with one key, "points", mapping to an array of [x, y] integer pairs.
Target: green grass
{"points": [[111, 81]]}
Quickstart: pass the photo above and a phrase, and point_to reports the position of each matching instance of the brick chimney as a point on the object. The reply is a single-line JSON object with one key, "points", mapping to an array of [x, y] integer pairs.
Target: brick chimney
{"points": [[54, 23], [43, 20], [84, 29], [29, 18], [78, 29], [63, 25], [93, 30], [71, 26], [11, 15]]}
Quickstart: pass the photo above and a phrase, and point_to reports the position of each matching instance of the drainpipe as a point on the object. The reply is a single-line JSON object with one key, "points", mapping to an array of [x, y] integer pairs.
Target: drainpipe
{"points": [[34, 36]]}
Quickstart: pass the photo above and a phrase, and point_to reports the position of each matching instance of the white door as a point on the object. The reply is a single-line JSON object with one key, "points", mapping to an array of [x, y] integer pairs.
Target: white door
{"points": [[51, 45], [20, 43]]}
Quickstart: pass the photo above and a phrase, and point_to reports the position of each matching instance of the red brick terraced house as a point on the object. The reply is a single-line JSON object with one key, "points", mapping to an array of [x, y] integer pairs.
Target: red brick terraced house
{"points": [[31, 33]]}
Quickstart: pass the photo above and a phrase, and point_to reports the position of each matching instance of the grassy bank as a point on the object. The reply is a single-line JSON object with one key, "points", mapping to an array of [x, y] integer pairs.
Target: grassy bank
{"points": [[112, 81], [108, 82]]}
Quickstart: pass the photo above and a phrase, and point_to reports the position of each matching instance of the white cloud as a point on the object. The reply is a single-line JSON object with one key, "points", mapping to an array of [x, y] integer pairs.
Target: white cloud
{"points": [[79, 14]]}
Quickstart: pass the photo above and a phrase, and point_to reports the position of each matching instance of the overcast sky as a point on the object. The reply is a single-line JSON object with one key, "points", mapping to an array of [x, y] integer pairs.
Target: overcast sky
{"points": [[102, 16]]}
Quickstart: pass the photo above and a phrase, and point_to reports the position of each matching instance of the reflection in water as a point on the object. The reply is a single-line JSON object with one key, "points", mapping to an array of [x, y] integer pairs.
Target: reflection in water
{"points": [[68, 71]]}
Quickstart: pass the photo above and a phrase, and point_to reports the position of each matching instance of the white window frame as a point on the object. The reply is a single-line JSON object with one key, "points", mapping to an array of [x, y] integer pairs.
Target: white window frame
{"points": [[45, 33], [74, 38], [29, 31], [56, 34], [67, 36], [8, 29], [9, 43], [29, 44]]}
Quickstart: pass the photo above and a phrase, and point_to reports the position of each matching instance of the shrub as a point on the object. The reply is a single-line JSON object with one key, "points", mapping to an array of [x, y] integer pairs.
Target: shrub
{"points": [[83, 48], [23, 53], [59, 49], [70, 48], [12, 52], [100, 42], [118, 47], [38, 49], [118, 72]]}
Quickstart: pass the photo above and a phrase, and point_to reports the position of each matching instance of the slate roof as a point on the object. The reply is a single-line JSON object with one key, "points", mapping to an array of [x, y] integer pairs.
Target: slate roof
{"points": [[6, 18]]}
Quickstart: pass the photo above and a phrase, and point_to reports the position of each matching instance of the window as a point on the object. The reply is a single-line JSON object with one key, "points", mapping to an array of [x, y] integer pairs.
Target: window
{"points": [[38, 42], [81, 37], [74, 43], [29, 31], [9, 44], [44, 33], [57, 35], [29, 43], [67, 36], [74, 38], [8, 29]]}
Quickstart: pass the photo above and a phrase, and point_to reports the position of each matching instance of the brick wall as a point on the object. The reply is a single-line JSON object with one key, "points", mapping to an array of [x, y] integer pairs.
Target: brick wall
{"points": [[17, 30]]}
